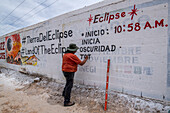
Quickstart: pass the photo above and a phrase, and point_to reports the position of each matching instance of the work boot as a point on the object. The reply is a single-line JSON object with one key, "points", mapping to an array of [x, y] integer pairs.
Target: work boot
{"points": [[69, 104]]}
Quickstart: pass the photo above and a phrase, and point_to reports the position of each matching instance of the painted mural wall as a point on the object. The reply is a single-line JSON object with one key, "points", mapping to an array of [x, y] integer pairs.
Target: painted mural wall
{"points": [[134, 35]]}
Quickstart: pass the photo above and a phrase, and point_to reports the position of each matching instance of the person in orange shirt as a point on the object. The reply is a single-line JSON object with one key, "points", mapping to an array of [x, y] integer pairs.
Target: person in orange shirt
{"points": [[69, 67]]}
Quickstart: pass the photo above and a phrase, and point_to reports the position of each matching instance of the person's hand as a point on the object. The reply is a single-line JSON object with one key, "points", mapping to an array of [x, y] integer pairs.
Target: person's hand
{"points": [[84, 61], [86, 57]]}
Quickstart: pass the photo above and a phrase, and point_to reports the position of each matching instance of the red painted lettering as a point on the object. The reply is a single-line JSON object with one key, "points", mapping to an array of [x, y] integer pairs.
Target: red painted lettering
{"points": [[101, 19], [111, 17], [123, 14], [130, 27], [95, 18], [137, 27], [161, 23], [117, 16], [106, 16], [2, 55], [147, 25], [2, 46]]}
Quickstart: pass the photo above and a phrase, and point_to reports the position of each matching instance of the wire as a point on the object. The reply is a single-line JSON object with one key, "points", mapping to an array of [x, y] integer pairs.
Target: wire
{"points": [[28, 12], [42, 9], [32, 15], [12, 11]]}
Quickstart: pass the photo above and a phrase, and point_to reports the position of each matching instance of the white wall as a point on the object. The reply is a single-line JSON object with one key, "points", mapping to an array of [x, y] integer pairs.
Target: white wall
{"points": [[138, 48]]}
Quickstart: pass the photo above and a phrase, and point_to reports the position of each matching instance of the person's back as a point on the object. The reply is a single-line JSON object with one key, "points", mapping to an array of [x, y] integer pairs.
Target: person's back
{"points": [[70, 62]]}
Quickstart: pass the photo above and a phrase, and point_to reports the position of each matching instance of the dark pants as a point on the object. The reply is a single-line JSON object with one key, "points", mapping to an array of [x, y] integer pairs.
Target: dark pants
{"points": [[69, 84]]}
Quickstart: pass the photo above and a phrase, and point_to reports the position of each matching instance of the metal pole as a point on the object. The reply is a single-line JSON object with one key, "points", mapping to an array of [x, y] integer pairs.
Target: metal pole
{"points": [[107, 83]]}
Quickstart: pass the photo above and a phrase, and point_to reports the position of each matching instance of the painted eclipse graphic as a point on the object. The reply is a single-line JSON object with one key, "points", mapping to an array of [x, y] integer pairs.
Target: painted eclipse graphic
{"points": [[13, 46]]}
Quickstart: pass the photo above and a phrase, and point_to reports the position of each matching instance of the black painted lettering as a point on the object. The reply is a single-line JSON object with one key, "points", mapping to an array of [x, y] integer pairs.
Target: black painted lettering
{"points": [[70, 33]]}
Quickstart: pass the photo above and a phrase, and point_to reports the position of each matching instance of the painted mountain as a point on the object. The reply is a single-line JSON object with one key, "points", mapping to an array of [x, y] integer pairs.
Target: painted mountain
{"points": [[32, 60]]}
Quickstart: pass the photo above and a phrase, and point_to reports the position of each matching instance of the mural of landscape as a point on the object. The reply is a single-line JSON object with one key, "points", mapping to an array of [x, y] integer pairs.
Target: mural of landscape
{"points": [[13, 54]]}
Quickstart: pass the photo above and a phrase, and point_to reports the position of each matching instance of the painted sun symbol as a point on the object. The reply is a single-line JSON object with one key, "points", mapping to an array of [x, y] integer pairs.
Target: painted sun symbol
{"points": [[90, 19], [134, 10]]}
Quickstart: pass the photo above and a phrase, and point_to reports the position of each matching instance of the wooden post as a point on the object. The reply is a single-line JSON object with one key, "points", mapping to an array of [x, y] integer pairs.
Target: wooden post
{"points": [[107, 84]]}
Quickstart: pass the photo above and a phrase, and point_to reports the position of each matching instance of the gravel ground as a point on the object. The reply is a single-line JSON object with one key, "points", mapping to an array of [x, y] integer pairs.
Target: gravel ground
{"points": [[88, 98]]}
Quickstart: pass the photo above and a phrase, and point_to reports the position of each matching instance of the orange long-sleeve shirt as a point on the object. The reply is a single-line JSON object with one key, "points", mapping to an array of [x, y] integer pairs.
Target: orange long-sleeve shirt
{"points": [[70, 62]]}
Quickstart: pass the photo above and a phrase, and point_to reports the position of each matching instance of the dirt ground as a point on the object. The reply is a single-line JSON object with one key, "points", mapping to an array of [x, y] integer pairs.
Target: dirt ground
{"points": [[14, 100], [19, 93]]}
